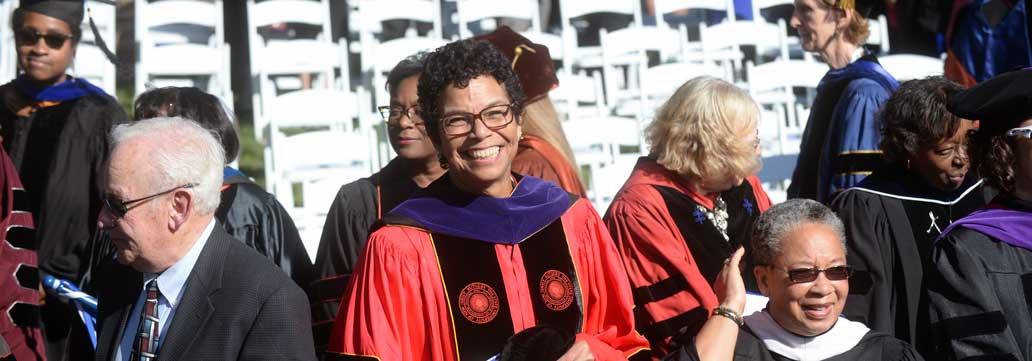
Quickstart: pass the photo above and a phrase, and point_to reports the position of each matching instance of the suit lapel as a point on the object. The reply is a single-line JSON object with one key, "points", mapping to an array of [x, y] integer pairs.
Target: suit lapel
{"points": [[196, 306], [114, 309]]}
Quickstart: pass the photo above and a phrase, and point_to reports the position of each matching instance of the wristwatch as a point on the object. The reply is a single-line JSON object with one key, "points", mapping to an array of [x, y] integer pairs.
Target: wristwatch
{"points": [[729, 313]]}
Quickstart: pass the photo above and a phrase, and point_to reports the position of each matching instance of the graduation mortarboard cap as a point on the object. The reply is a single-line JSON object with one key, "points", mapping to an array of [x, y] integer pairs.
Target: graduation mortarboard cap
{"points": [[69, 11], [999, 103], [531, 62]]}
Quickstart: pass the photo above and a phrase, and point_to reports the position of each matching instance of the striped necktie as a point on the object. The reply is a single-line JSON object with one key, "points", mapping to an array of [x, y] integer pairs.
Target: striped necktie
{"points": [[145, 348]]}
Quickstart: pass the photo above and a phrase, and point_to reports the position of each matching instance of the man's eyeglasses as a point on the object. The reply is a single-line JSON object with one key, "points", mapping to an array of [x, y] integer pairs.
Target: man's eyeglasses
{"points": [[1023, 132], [494, 117], [119, 208], [804, 275], [31, 37], [392, 114]]}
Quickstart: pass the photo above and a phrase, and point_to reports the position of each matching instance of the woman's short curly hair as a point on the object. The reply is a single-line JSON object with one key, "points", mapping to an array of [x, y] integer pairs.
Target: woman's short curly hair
{"points": [[915, 117], [697, 132], [455, 64], [992, 154]]}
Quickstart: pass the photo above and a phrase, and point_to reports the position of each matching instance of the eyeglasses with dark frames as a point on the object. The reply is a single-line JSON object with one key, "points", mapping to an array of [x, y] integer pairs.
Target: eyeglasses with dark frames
{"points": [[804, 275], [392, 114], [31, 37], [494, 117], [119, 208]]}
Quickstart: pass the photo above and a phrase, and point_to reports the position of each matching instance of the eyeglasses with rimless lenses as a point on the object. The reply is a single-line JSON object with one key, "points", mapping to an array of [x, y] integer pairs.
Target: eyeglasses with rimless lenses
{"points": [[804, 275], [119, 208], [1023, 132]]}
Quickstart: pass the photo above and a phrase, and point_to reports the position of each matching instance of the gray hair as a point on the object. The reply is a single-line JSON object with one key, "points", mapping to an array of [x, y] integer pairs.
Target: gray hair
{"points": [[410, 66], [772, 226], [181, 152]]}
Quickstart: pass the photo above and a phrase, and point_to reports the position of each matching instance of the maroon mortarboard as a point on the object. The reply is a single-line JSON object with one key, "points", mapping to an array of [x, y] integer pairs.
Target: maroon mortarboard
{"points": [[531, 62], [999, 103]]}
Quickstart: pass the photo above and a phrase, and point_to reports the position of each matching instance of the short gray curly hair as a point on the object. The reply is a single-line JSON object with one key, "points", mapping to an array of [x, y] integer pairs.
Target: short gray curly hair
{"points": [[772, 226]]}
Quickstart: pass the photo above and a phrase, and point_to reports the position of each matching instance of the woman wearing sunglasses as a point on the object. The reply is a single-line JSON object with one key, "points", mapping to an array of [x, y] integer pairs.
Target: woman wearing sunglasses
{"points": [[483, 253], [799, 249], [980, 287], [55, 127], [896, 212]]}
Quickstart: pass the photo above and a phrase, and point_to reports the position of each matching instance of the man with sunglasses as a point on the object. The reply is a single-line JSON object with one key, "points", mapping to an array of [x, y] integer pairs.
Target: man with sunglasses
{"points": [[54, 126], [182, 288], [800, 253], [980, 284]]}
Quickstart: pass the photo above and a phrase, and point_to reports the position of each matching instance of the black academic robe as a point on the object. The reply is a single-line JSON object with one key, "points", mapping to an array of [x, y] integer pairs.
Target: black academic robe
{"points": [[891, 220], [255, 217], [873, 346], [59, 151], [356, 208], [980, 296]]}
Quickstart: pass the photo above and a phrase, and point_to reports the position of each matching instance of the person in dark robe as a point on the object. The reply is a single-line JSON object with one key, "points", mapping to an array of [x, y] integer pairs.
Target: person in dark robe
{"points": [[840, 142], [688, 206], [980, 288], [483, 253], [543, 150], [800, 254], [54, 128], [20, 335], [893, 215], [361, 203], [247, 212]]}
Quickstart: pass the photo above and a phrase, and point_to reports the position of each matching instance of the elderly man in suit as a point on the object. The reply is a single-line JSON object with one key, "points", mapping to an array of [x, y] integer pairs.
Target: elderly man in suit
{"points": [[182, 288]]}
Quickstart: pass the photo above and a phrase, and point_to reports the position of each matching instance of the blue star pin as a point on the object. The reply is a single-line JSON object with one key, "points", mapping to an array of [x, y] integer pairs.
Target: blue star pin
{"points": [[699, 216], [747, 205]]}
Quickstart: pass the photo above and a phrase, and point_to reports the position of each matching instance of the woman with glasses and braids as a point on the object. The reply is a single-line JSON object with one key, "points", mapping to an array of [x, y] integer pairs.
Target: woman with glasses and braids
{"points": [[246, 211], [840, 143], [799, 249], [361, 203], [980, 284], [483, 253], [55, 127], [688, 205], [896, 212]]}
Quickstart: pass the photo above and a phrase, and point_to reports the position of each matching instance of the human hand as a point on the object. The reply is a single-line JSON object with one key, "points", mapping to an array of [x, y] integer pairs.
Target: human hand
{"points": [[729, 286], [578, 352]]}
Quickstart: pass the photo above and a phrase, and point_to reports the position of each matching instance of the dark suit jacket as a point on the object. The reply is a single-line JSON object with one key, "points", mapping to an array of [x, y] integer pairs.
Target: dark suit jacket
{"points": [[236, 305]]}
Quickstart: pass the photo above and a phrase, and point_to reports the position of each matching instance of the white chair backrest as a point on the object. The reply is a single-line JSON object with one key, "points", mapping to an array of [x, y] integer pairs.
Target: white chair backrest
{"points": [[782, 74], [909, 66], [91, 64], [310, 12], [628, 40], [879, 33], [661, 81], [311, 107], [663, 7], [372, 13], [759, 5], [477, 10], [104, 17]]}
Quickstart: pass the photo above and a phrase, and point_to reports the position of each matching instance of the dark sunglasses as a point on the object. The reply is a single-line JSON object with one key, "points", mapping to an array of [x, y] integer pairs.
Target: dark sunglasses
{"points": [[804, 275], [119, 208], [31, 37]]}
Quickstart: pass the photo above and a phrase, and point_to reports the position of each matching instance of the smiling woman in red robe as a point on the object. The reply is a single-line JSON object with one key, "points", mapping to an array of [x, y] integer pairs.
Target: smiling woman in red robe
{"points": [[483, 253]]}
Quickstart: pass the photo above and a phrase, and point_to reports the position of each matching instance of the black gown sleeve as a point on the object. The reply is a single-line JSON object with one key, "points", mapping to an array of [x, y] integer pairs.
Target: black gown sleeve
{"points": [[977, 303], [869, 250]]}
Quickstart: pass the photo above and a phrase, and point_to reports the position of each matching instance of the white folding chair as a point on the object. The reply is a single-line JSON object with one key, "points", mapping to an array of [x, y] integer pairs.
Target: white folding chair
{"points": [[905, 67], [879, 33], [772, 85], [627, 49], [182, 40], [590, 56], [579, 95], [663, 7]]}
